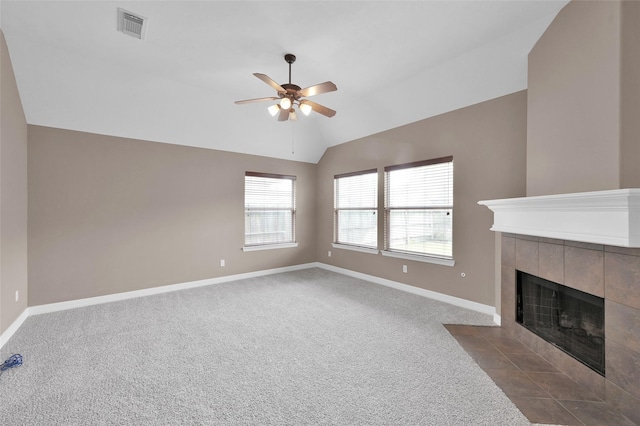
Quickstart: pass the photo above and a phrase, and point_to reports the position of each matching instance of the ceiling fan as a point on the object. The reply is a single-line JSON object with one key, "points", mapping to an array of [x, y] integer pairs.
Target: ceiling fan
{"points": [[290, 95]]}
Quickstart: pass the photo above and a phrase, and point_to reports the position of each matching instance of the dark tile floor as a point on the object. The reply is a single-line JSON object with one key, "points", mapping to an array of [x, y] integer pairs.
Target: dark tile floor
{"points": [[541, 392]]}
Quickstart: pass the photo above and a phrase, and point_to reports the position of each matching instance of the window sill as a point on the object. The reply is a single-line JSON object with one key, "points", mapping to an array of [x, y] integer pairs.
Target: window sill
{"points": [[354, 248], [269, 247], [426, 259]]}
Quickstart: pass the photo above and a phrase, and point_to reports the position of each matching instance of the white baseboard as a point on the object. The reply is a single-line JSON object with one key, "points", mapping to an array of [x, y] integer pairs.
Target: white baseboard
{"points": [[4, 337], [456, 301], [72, 304], [497, 319]]}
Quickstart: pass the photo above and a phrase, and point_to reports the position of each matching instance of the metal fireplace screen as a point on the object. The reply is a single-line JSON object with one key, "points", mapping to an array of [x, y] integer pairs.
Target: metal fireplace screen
{"points": [[567, 318]]}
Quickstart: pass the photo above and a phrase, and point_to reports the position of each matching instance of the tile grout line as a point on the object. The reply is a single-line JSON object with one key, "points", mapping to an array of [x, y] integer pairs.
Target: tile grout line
{"points": [[529, 377], [536, 383], [556, 399]]}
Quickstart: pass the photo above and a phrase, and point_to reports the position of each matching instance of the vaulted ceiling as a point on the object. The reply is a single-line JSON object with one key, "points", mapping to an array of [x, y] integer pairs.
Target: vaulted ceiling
{"points": [[394, 62]]}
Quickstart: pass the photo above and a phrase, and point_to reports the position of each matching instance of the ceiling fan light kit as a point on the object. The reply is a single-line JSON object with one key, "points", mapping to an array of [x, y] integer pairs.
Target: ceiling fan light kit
{"points": [[274, 110], [285, 103], [290, 95], [305, 108]]}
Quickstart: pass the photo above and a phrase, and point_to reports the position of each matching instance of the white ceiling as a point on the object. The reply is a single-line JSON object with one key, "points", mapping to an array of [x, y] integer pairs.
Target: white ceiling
{"points": [[394, 62]]}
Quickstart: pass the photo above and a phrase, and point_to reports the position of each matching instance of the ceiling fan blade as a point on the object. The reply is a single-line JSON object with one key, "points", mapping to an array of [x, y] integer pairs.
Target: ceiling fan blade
{"points": [[325, 87], [320, 109], [269, 81], [284, 114], [248, 101]]}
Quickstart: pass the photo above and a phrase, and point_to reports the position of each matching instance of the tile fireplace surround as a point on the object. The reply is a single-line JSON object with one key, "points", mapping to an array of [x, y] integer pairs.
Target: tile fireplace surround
{"points": [[589, 263]]}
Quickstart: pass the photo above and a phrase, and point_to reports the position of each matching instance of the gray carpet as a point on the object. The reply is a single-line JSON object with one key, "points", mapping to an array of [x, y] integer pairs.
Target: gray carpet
{"points": [[298, 348]]}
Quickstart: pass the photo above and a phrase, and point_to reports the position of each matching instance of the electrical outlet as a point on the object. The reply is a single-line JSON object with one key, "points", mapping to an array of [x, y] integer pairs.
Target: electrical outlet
{"points": [[17, 295], [221, 262], [329, 253], [404, 268]]}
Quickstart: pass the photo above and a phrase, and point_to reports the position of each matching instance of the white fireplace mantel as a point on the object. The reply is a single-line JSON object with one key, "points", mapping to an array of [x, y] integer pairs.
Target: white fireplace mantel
{"points": [[602, 217]]}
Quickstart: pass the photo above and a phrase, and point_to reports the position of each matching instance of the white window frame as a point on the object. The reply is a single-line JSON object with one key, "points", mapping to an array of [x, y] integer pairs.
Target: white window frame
{"points": [[405, 253], [342, 242], [290, 207]]}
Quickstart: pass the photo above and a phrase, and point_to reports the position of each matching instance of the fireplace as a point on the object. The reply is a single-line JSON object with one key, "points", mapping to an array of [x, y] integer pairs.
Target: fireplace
{"points": [[567, 318], [589, 242]]}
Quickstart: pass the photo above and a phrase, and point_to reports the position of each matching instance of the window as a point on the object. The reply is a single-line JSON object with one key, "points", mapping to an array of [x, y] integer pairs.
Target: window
{"points": [[356, 205], [270, 209], [419, 208]]}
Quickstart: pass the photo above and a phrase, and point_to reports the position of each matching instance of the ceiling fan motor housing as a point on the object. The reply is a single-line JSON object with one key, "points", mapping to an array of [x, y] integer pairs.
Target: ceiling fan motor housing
{"points": [[292, 90]]}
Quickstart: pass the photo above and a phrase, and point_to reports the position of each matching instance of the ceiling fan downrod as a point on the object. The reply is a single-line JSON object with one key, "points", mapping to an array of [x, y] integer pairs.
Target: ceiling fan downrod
{"points": [[290, 58]]}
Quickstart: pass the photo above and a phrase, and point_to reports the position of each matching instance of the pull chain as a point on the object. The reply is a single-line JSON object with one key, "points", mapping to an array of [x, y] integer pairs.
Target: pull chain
{"points": [[293, 150]]}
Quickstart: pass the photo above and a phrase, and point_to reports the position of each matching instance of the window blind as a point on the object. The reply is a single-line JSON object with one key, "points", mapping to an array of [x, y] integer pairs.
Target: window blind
{"points": [[270, 205], [356, 207], [419, 207]]}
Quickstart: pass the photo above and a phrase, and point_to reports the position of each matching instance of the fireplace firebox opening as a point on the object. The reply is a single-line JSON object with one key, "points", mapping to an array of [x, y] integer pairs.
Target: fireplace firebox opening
{"points": [[567, 318]]}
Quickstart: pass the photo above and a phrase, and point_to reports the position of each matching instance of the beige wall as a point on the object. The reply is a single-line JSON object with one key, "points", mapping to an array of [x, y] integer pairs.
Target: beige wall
{"points": [[583, 100], [13, 195], [630, 103], [574, 102], [109, 215], [487, 142]]}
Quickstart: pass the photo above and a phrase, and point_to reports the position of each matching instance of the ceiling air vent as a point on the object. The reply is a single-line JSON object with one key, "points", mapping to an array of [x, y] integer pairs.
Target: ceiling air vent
{"points": [[132, 24]]}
